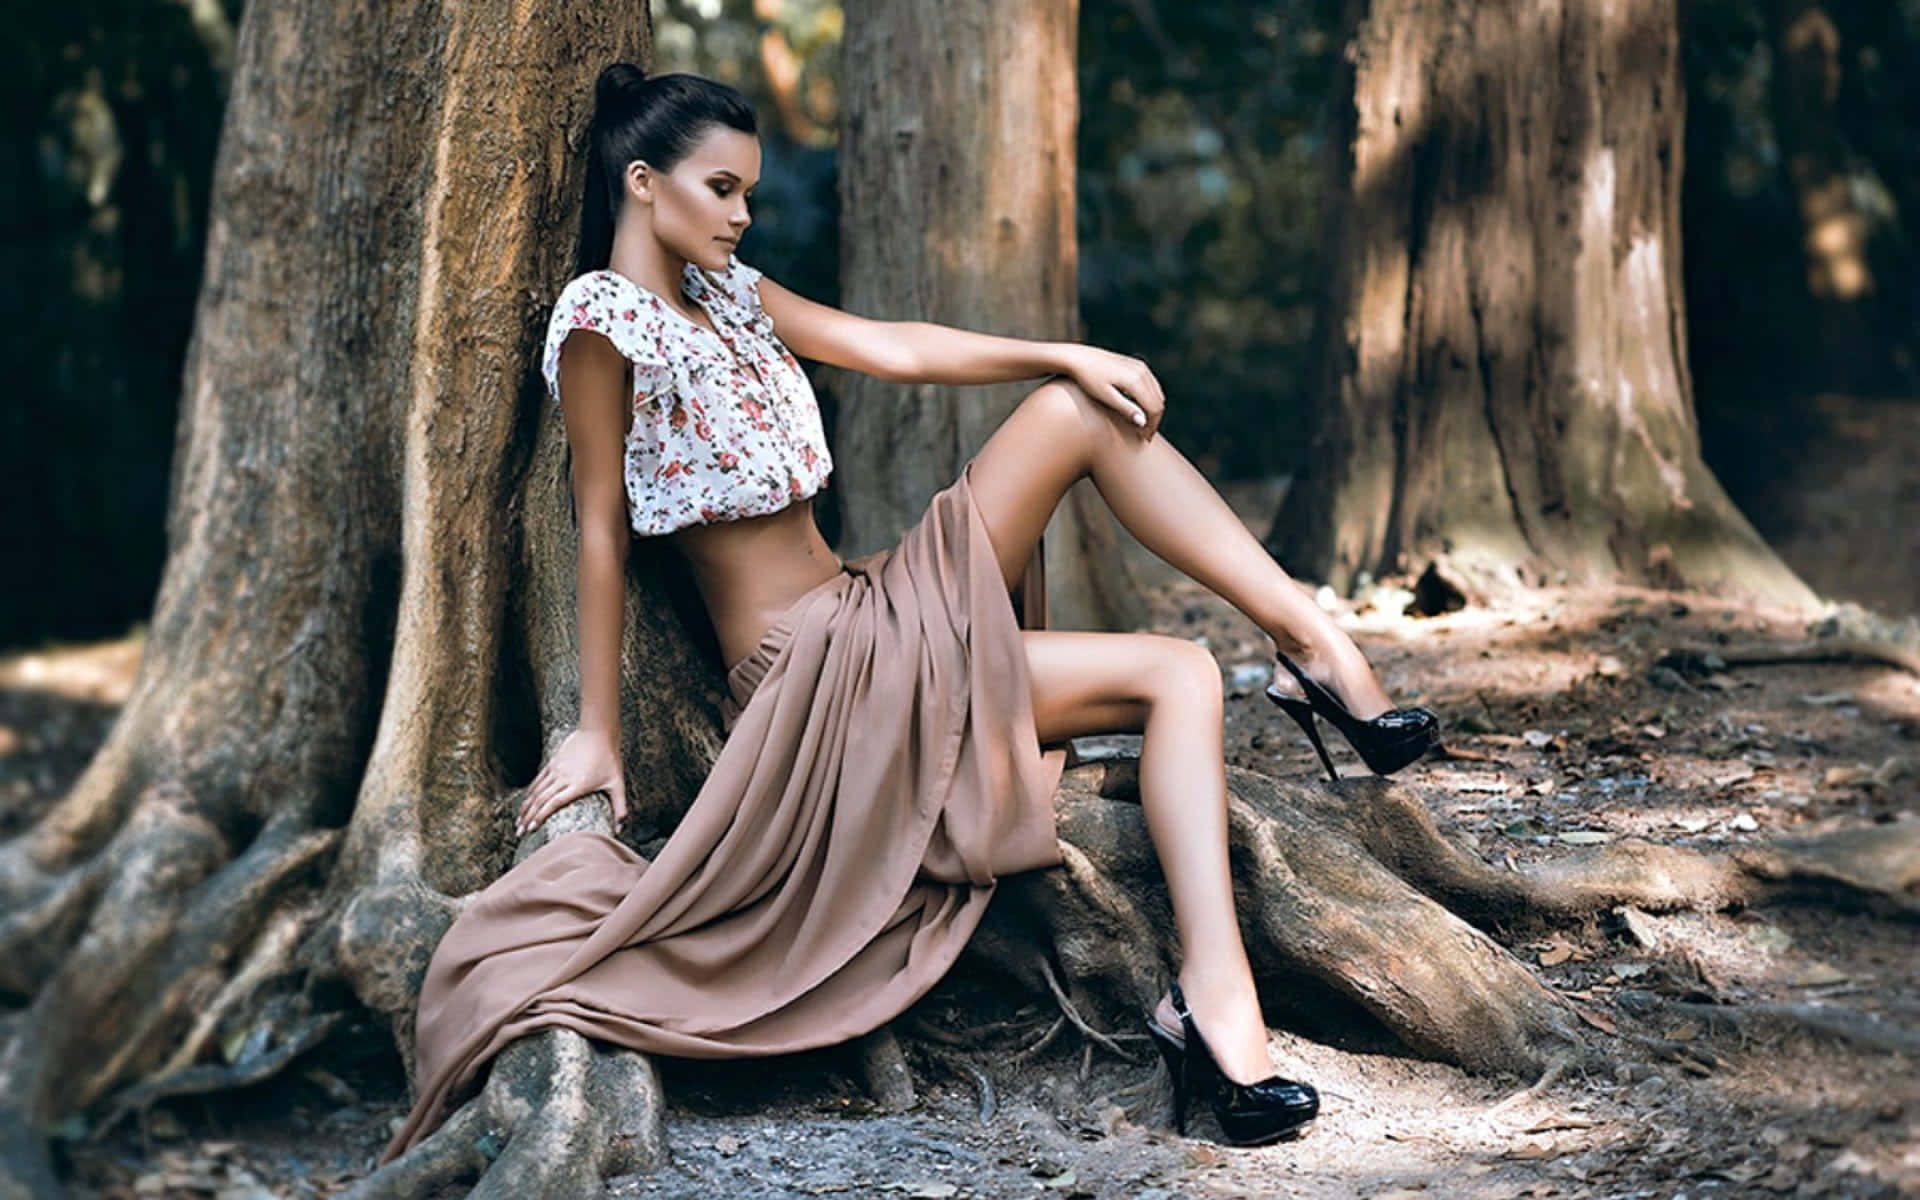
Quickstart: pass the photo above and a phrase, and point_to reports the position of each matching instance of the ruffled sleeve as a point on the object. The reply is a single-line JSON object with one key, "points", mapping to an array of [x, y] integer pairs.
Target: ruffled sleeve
{"points": [[608, 305]]}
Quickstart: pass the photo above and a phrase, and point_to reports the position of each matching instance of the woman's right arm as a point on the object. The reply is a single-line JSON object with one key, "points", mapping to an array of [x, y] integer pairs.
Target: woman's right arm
{"points": [[595, 404]]}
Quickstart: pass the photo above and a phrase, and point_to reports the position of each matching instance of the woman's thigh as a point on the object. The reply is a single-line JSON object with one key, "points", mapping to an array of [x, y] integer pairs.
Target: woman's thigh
{"points": [[1086, 683], [1019, 476]]}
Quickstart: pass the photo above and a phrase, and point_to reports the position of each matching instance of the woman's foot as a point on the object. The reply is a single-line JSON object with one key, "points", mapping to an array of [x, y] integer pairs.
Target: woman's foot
{"points": [[1344, 671], [1231, 1027]]}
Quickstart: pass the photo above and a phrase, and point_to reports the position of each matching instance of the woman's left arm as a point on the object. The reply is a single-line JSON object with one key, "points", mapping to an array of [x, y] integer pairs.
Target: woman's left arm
{"points": [[922, 352]]}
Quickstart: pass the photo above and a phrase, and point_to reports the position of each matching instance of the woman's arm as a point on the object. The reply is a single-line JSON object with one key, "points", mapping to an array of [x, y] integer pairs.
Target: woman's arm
{"points": [[922, 352], [594, 403]]}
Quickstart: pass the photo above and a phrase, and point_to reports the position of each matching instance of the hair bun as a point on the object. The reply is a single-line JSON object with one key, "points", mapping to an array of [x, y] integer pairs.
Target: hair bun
{"points": [[618, 85]]}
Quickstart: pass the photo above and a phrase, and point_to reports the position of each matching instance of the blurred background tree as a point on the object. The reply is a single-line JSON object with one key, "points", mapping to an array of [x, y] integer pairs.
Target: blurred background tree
{"points": [[1201, 157]]}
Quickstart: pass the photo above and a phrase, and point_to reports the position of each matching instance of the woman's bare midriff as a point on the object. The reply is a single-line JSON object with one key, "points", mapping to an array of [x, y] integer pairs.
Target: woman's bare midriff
{"points": [[751, 570]]}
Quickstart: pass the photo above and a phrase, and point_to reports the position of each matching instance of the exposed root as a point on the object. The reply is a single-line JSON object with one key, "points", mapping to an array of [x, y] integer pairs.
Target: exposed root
{"points": [[1073, 1014], [557, 1115], [959, 1063], [1694, 660], [1032, 1050], [1847, 1025], [290, 1044], [1556, 1070], [883, 1069]]}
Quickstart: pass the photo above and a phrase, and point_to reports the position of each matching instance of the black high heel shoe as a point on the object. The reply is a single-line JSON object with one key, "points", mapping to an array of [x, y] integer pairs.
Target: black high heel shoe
{"points": [[1386, 743], [1250, 1114]]}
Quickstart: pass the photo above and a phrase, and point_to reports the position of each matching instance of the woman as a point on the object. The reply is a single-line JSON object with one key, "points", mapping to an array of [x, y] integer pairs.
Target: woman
{"points": [[885, 716]]}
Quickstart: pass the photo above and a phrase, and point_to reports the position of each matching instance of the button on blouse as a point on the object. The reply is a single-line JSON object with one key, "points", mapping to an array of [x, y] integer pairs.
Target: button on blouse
{"points": [[725, 424]]}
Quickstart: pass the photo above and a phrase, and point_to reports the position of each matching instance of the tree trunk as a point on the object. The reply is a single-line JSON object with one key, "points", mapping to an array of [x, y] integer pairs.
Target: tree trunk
{"points": [[1850, 342], [956, 201], [365, 630], [1504, 378]]}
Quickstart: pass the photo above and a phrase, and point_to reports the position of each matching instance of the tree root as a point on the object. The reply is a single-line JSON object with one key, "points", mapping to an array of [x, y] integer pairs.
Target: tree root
{"points": [[558, 1114], [1351, 893], [1693, 660], [1847, 1025]]}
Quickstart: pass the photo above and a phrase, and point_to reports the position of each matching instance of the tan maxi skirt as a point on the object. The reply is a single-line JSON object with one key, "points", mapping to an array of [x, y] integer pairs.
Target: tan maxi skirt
{"points": [[881, 771]]}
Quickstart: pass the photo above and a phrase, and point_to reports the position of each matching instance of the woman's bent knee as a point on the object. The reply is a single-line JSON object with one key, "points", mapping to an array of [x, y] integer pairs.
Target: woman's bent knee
{"points": [[1186, 673], [1070, 404]]}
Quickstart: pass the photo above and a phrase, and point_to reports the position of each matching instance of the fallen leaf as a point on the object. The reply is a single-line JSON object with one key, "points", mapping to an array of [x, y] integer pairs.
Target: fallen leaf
{"points": [[1598, 1020], [1639, 925], [1735, 773], [1584, 837], [1818, 974], [1533, 1149], [1555, 954], [1569, 1121], [1827, 699]]}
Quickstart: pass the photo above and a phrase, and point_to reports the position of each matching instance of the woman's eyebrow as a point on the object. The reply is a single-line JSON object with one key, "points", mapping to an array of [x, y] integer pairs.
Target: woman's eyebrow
{"points": [[735, 178]]}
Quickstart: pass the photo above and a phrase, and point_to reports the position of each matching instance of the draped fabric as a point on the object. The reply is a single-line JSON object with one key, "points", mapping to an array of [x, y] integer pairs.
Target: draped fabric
{"points": [[881, 771]]}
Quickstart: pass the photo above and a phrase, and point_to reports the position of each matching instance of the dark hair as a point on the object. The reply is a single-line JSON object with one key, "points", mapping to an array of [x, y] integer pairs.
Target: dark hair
{"points": [[659, 120]]}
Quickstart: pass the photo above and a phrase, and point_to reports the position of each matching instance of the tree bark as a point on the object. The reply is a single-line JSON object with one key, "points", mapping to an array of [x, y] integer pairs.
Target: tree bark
{"points": [[1504, 379], [956, 200]]}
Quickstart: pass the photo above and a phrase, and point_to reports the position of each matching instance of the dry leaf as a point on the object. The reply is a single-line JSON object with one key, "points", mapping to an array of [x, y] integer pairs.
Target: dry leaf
{"points": [[1555, 954], [1569, 1121], [1819, 974], [1584, 837], [1598, 1020]]}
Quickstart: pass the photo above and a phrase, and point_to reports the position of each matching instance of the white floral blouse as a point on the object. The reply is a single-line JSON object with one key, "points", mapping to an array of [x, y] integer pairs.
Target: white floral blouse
{"points": [[723, 426]]}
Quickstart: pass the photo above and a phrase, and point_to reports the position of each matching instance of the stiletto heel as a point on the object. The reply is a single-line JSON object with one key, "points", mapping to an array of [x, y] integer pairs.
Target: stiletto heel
{"points": [[1250, 1114], [1302, 714], [1385, 743]]}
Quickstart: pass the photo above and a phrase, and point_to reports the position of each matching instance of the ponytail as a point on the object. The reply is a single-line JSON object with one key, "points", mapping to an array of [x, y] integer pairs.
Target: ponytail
{"points": [[657, 120]]}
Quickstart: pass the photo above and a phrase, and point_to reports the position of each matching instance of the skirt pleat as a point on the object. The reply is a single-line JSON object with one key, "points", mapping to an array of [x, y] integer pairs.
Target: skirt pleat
{"points": [[880, 773]]}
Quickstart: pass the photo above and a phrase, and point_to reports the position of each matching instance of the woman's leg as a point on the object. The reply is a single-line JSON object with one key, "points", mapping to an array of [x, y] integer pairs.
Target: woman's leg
{"points": [[1059, 434], [1168, 689]]}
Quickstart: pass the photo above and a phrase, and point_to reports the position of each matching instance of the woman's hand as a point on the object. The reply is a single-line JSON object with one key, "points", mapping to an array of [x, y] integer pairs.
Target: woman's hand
{"points": [[1123, 384], [586, 762]]}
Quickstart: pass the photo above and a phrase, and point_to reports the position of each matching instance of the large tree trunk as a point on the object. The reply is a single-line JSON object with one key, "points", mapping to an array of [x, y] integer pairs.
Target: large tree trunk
{"points": [[366, 629], [1504, 376], [956, 202]]}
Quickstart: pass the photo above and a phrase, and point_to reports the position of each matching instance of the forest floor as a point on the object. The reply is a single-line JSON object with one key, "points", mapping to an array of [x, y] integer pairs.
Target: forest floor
{"points": [[1563, 729]]}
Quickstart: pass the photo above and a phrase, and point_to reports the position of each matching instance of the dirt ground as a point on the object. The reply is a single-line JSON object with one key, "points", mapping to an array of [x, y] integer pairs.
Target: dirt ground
{"points": [[1563, 728]]}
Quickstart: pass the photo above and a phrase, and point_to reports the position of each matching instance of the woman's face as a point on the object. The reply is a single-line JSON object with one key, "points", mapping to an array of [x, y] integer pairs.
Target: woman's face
{"points": [[700, 207]]}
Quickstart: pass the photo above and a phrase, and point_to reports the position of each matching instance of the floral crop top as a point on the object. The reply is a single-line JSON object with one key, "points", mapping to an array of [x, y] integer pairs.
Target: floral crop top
{"points": [[723, 426]]}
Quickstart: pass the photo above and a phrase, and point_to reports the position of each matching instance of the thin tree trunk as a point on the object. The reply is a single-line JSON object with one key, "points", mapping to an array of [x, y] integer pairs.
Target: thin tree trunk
{"points": [[1504, 377], [1846, 343], [956, 185]]}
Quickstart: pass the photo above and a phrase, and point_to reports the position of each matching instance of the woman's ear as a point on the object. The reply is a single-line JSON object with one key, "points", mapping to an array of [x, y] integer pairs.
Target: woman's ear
{"points": [[639, 181]]}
